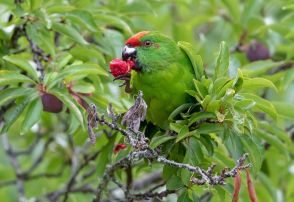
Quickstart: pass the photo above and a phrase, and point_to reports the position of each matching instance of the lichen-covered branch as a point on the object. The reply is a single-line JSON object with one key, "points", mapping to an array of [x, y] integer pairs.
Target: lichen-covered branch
{"points": [[136, 140]]}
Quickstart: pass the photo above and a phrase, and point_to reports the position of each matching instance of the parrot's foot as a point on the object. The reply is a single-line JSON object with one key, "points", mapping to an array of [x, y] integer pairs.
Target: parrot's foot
{"points": [[126, 78], [123, 77]]}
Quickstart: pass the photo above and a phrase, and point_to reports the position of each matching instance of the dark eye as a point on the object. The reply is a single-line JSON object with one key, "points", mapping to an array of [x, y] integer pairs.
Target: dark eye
{"points": [[147, 43]]}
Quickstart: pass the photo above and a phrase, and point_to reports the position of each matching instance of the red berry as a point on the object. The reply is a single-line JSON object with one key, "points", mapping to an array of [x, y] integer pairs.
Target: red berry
{"points": [[119, 147], [131, 64], [119, 67], [51, 103]]}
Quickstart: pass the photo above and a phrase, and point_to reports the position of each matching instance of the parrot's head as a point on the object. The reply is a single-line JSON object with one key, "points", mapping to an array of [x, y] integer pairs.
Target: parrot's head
{"points": [[150, 51]]}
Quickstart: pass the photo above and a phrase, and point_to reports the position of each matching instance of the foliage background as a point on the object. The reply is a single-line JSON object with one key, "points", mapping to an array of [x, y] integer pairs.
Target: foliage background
{"points": [[90, 34]]}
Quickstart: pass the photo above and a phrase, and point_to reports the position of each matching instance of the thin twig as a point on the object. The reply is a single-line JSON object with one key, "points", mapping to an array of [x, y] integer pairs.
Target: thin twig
{"points": [[135, 139]]}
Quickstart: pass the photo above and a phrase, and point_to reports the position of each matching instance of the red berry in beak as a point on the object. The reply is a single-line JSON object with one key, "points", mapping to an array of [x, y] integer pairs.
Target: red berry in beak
{"points": [[119, 67]]}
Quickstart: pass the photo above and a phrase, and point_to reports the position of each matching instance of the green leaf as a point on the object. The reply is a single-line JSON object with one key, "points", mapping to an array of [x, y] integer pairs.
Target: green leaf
{"points": [[174, 182], [288, 78], [184, 197], [196, 60], [175, 127], [194, 151], [59, 8], [114, 21], [78, 71], [208, 143], [224, 89], [49, 78], [88, 54], [238, 81], [183, 133], [16, 111], [255, 83], [12, 93], [262, 104], [83, 87], [255, 151], [65, 98], [233, 9], [206, 128], [11, 77], [197, 116], [222, 61], [251, 8], [284, 109], [41, 37], [178, 110], [158, 140], [219, 84], [289, 7], [84, 69], [33, 115], [274, 141], [201, 89], [70, 32], [83, 18], [105, 156], [65, 59], [280, 133], [245, 104], [213, 106], [35, 4], [223, 158], [194, 94], [268, 185], [259, 67], [23, 64]]}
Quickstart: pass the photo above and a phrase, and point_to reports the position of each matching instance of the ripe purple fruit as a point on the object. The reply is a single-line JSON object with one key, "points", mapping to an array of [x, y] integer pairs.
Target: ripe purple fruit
{"points": [[51, 103], [257, 51]]}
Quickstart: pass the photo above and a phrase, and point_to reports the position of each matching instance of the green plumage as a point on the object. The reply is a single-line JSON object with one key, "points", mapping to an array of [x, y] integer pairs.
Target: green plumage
{"points": [[166, 72]]}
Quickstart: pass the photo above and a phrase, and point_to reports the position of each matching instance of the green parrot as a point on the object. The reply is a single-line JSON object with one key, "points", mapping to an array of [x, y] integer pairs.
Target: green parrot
{"points": [[163, 72]]}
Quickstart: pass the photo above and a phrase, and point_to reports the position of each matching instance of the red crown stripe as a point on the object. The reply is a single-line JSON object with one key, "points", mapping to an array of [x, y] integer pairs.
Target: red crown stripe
{"points": [[135, 40]]}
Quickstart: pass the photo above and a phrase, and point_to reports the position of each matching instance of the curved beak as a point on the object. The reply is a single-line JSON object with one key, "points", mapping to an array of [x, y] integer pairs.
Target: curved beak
{"points": [[128, 52]]}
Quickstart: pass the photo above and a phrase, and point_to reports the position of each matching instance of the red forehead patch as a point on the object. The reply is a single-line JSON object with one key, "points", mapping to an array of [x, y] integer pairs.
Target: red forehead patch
{"points": [[135, 40]]}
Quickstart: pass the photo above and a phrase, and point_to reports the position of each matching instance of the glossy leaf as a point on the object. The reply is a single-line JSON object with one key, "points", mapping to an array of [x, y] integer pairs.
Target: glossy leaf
{"points": [[32, 116], [12, 93], [78, 71], [201, 116], [23, 64], [158, 140], [222, 61], [256, 83], [285, 109], [70, 32], [65, 98], [274, 141], [16, 111], [11, 77], [262, 104], [184, 197], [259, 67], [82, 18]]}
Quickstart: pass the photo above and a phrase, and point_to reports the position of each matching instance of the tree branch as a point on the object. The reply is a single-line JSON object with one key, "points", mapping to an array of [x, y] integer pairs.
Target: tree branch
{"points": [[143, 151]]}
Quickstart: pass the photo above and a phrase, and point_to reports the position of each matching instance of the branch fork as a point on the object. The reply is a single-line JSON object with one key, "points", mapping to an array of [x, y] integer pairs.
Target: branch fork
{"points": [[139, 142]]}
